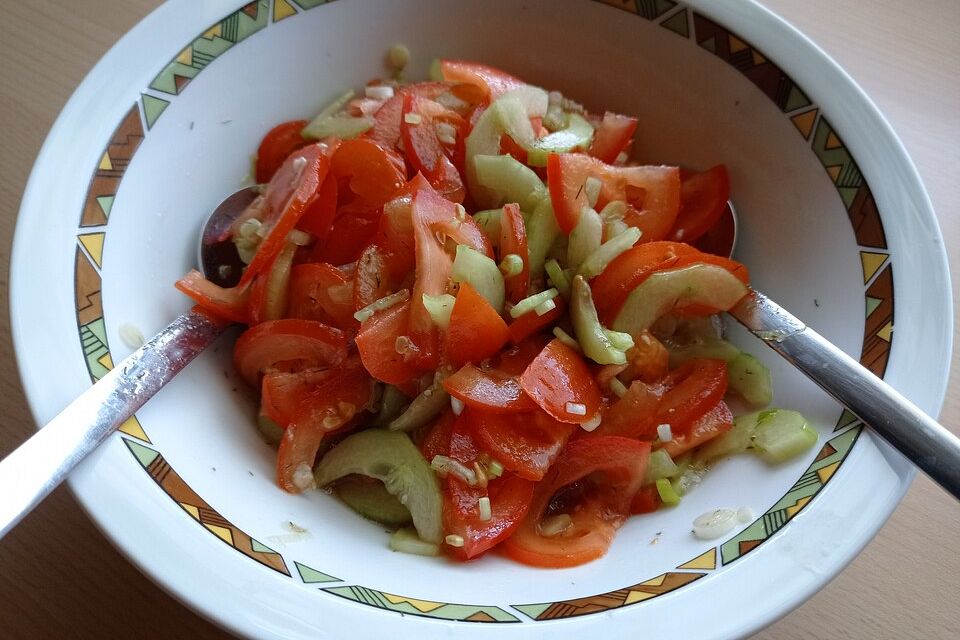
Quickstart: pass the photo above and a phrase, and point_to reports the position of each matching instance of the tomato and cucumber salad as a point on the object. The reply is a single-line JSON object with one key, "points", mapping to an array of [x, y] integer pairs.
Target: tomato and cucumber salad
{"points": [[477, 319]]}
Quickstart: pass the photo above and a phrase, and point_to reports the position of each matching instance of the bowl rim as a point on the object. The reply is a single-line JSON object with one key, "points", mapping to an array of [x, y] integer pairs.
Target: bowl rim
{"points": [[759, 25]]}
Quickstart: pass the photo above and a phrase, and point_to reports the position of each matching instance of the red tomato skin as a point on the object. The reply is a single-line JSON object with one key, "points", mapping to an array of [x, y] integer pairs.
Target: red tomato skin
{"points": [[387, 119], [277, 341], [488, 390], [557, 377], [694, 388], [311, 297], [530, 323], [524, 443], [490, 81], [703, 199], [612, 137], [279, 143], [713, 423], [513, 240], [318, 219], [633, 415], [229, 304], [476, 330], [377, 344], [647, 500]]}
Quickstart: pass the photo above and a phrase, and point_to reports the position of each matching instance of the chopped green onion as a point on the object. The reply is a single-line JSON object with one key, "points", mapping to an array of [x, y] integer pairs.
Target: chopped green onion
{"points": [[667, 493], [412, 118], [494, 469], [483, 506], [617, 387], [660, 465], [454, 540], [406, 540], [511, 265], [615, 210], [448, 466], [439, 307], [576, 408], [383, 303], [530, 303], [597, 261], [568, 340], [545, 307], [557, 277]]}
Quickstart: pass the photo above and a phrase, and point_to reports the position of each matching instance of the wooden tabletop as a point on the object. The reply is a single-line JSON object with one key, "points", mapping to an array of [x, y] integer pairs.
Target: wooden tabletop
{"points": [[60, 578]]}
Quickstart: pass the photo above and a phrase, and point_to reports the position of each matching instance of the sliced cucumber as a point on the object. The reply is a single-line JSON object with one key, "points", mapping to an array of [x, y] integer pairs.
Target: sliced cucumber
{"points": [[392, 404], [482, 273], [585, 238], [542, 232], [577, 135], [393, 459], [557, 277], [591, 335], [714, 349], [782, 434], [311, 130], [664, 291], [272, 432], [489, 222], [439, 307], [424, 408], [597, 261], [511, 180], [660, 465], [750, 379], [737, 440], [343, 127], [668, 494], [370, 499]]}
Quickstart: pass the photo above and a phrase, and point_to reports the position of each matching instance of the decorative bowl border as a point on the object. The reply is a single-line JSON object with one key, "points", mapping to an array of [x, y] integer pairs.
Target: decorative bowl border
{"points": [[810, 123]]}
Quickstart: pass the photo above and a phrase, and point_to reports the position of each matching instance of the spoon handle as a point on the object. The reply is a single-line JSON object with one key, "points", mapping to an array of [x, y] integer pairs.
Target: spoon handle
{"points": [[41, 463], [915, 434]]}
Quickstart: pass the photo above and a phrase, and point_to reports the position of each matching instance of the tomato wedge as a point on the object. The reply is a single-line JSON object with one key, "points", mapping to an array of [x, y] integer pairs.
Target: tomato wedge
{"points": [[634, 415], [289, 194], [530, 323], [320, 291], [354, 227], [509, 500], [694, 388], [561, 384], [319, 217], [647, 500], [327, 408], [310, 343], [525, 443], [488, 83], [593, 482], [713, 423], [387, 119], [652, 192], [282, 393], [279, 143], [436, 439], [488, 390], [612, 136], [422, 145], [377, 344], [513, 240], [228, 304], [476, 330], [703, 199], [372, 172]]}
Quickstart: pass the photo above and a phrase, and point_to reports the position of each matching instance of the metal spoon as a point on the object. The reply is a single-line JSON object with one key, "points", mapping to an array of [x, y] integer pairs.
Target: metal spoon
{"points": [[41, 463], [916, 435]]}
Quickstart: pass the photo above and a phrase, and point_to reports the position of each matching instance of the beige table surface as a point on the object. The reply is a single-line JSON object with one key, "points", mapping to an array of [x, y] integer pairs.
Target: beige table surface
{"points": [[59, 578]]}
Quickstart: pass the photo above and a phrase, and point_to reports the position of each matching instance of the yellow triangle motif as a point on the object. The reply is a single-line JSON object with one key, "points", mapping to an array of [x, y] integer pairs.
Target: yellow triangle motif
{"points": [[282, 9], [93, 243], [757, 58], [106, 361], [736, 44], [804, 122], [800, 504], [871, 263], [706, 560], [213, 31], [192, 510], [423, 606], [186, 56], [637, 596], [886, 333], [221, 532], [834, 171], [133, 428], [827, 472], [654, 582], [105, 163], [833, 142]]}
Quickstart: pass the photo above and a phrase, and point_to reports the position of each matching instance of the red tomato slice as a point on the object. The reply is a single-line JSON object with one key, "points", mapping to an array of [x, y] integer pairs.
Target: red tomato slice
{"points": [[594, 482], [490, 82], [509, 500], [313, 344], [612, 137], [279, 143], [694, 388], [423, 149], [713, 423], [558, 378], [654, 192], [327, 408], [513, 239], [282, 393], [386, 128], [289, 195], [633, 415], [436, 441], [647, 500], [476, 330], [488, 390], [353, 229], [703, 199], [377, 344], [318, 220], [525, 443], [319, 291], [515, 360], [228, 304], [371, 280], [374, 173], [530, 323]]}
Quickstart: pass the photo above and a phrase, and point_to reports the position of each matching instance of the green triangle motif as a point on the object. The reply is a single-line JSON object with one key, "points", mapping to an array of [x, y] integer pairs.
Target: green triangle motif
{"points": [[846, 419], [312, 576], [872, 304], [143, 455], [259, 547], [796, 99], [106, 204], [678, 24], [152, 108], [848, 195], [309, 4], [710, 44], [533, 610]]}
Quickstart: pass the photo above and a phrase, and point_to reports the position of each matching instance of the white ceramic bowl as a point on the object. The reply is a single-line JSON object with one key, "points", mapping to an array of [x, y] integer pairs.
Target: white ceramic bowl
{"points": [[163, 128]]}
